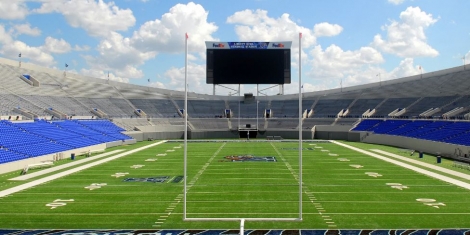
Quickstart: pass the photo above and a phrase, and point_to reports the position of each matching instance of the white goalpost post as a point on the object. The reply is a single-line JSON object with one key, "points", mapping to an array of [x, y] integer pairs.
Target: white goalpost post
{"points": [[185, 189]]}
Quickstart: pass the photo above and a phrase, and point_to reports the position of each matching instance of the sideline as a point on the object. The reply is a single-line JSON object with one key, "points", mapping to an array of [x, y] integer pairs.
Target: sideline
{"points": [[431, 166], [63, 166], [408, 166], [18, 188]]}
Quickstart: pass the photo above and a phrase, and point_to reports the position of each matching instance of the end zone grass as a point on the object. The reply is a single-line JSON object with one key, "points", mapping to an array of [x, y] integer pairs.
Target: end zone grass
{"points": [[339, 192]]}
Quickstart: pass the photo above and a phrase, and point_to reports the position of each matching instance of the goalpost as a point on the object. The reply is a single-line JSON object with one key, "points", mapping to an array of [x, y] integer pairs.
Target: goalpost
{"points": [[185, 189]]}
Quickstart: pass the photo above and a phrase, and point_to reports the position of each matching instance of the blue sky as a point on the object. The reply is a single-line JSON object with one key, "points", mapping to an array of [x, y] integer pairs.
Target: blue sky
{"points": [[138, 40]]}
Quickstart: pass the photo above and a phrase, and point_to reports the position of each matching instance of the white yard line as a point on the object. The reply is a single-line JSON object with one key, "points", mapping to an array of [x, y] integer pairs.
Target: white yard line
{"points": [[56, 168], [431, 166], [408, 166], [18, 188]]}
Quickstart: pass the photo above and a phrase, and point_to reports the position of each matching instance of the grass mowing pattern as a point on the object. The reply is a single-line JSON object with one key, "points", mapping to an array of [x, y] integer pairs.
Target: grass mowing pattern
{"points": [[346, 197]]}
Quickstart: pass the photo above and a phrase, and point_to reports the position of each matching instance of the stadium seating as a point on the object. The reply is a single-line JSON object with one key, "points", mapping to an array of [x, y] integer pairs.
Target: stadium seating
{"points": [[30, 139], [442, 131]]}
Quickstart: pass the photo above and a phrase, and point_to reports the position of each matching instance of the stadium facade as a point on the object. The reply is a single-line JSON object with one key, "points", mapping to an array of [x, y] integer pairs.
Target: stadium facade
{"points": [[426, 112]]}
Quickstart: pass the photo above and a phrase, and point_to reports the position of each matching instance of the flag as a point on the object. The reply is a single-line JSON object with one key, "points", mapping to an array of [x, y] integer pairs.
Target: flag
{"points": [[148, 80], [66, 65], [187, 36], [420, 67], [19, 55], [302, 86], [300, 35]]}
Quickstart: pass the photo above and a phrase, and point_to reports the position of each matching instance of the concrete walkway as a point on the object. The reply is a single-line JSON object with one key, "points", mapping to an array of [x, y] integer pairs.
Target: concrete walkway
{"points": [[408, 166], [18, 188], [430, 166], [67, 165]]}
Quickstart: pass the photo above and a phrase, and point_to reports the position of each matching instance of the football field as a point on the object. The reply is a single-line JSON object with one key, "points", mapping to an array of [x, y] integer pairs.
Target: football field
{"points": [[342, 189]]}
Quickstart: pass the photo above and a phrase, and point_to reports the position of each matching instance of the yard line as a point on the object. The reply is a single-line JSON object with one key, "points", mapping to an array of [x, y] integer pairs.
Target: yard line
{"points": [[408, 166], [438, 168], [60, 167], [71, 171]]}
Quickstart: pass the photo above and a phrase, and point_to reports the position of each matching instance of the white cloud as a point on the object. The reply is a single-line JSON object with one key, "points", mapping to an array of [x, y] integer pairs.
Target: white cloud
{"points": [[405, 68], [407, 38], [94, 16], [334, 62], [158, 85], [5, 37], [396, 2], [57, 46], [13, 10], [124, 54], [26, 29], [167, 34], [116, 54], [34, 54], [326, 29], [81, 48], [258, 26], [196, 78]]}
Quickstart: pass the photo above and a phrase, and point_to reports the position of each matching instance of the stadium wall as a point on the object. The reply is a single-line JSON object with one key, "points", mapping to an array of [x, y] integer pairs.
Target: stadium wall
{"points": [[450, 151], [17, 165]]}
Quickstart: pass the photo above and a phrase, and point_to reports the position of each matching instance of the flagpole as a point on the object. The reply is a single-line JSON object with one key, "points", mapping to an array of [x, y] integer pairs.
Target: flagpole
{"points": [[185, 115], [300, 126]]}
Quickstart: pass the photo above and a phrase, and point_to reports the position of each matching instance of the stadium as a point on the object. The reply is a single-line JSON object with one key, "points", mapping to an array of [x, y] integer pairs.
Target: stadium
{"points": [[90, 155]]}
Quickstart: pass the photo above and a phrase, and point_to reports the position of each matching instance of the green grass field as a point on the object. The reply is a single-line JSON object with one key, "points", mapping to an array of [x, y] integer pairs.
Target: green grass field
{"points": [[335, 194]]}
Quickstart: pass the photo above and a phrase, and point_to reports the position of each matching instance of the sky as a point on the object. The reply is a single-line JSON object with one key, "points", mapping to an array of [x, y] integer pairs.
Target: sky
{"points": [[344, 43]]}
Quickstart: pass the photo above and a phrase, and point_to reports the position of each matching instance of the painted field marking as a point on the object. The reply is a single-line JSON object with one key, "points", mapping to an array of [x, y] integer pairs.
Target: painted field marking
{"points": [[59, 203], [304, 188], [430, 202], [325, 150], [333, 154], [95, 186], [120, 174], [161, 154], [318, 147], [151, 160], [397, 186], [431, 166], [170, 150], [373, 174], [356, 166], [408, 166], [343, 159], [137, 166], [33, 183]]}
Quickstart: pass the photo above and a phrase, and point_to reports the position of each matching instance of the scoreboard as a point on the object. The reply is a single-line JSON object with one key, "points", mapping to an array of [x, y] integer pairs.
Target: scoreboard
{"points": [[248, 63]]}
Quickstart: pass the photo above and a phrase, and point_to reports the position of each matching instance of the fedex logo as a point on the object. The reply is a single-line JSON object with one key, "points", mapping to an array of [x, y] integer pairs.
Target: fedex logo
{"points": [[278, 45], [218, 45]]}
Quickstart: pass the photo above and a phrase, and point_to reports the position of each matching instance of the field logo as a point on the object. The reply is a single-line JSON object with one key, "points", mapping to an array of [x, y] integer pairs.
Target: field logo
{"points": [[157, 179], [397, 186], [430, 202], [249, 158], [297, 149], [95, 186]]}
